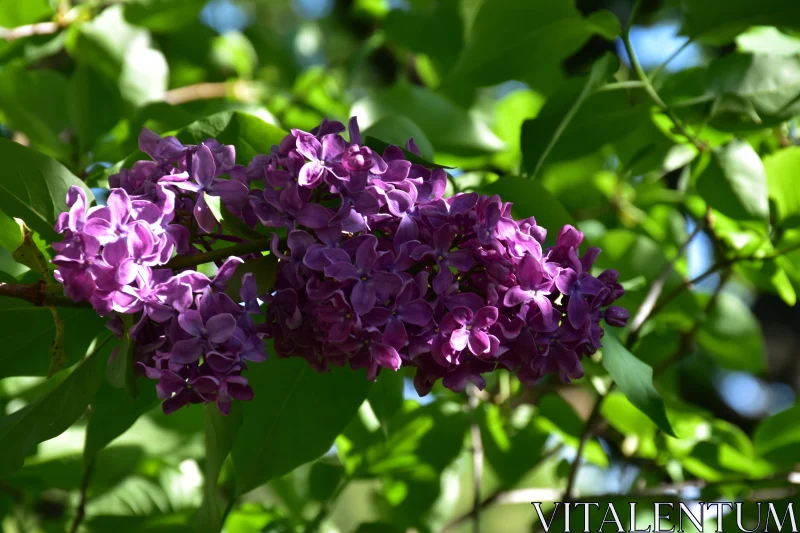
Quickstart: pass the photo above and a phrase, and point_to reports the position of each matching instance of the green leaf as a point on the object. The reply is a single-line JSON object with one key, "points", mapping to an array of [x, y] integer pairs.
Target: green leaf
{"points": [[783, 169], [95, 105], [14, 14], [541, 134], [10, 233], [124, 54], [435, 29], [230, 222], [32, 101], [28, 334], [248, 133], [398, 130], [450, 128], [294, 417], [29, 254], [34, 187], [509, 115], [120, 364], [220, 435], [719, 21], [777, 438], [635, 380], [113, 412], [767, 40], [51, 414], [233, 53], [764, 87], [531, 199], [163, 15], [732, 335], [386, 395], [525, 41], [735, 183]]}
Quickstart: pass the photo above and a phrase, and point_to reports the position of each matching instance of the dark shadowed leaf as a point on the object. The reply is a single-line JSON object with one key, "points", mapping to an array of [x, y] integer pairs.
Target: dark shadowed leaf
{"points": [[51, 414], [732, 335], [163, 15], [220, 432], [719, 21], [294, 417], [95, 105], [113, 412], [34, 187], [541, 134], [635, 380]]}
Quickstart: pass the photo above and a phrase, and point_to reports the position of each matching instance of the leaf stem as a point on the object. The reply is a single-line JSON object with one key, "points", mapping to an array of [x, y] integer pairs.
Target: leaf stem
{"points": [[81, 513], [648, 86]]}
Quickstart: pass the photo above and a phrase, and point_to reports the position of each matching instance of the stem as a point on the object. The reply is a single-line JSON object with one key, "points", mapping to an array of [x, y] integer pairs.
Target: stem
{"points": [[81, 514], [648, 86], [187, 261], [477, 463], [588, 431], [29, 30], [672, 56], [325, 510], [632, 84], [238, 90]]}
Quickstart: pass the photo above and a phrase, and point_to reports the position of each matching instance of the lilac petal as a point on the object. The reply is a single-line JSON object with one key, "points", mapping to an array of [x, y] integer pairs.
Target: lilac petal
{"points": [[313, 216], [546, 306], [463, 202], [485, 317], [398, 202], [342, 271], [115, 253], [443, 280], [148, 140], [354, 131], [332, 147], [191, 322], [577, 310], [203, 167], [385, 356], [126, 272], [418, 312], [461, 260], [220, 327], [238, 389], [231, 192], [459, 339], [366, 254], [119, 205], [456, 319], [379, 316], [363, 297], [309, 146], [406, 231], [516, 295], [443, 238], [340, 331], [479, 342], [299, 241], [565, 280], [171, 405], [397, 170], [203, 214], [219, 363], [186, 352], [99, 228], [386, 283], [310, 174], [395, 334], [227, 270], [529, 272]]}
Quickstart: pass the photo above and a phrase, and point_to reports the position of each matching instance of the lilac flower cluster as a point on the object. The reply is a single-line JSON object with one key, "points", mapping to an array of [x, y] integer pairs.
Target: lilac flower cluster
{"points": [[376, 269], [380, 271], [190, 335]]}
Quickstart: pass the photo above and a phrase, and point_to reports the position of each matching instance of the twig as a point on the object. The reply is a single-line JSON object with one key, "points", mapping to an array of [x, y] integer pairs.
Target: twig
{"points": [[477, 463], [672, 56], [648, 86], [239, 90], [29, 30], [632, 84], [586, 434], [655, 291], [81, 513], [326, 507]]}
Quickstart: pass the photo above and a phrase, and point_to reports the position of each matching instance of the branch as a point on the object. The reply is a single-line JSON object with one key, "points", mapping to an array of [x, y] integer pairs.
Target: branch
{"points": [[79, 516], [29, 30], [239, 90], [648, 86], [477, 463], [186, 261]]}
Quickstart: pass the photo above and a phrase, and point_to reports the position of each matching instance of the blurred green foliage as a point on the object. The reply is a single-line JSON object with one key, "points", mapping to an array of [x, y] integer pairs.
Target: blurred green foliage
{"points": [[538, 101]]}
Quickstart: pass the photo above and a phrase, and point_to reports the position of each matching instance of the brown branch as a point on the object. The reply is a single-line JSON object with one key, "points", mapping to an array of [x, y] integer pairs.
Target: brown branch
{"points": [[238, 90]]}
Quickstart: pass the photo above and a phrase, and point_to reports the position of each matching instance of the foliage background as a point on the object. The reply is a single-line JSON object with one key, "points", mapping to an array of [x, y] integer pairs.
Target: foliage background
{"points": [[683, 167]]}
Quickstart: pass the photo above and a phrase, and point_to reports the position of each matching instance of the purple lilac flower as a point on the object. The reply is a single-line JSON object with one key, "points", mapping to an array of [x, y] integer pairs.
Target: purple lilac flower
{"points": [[377, 270]]}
